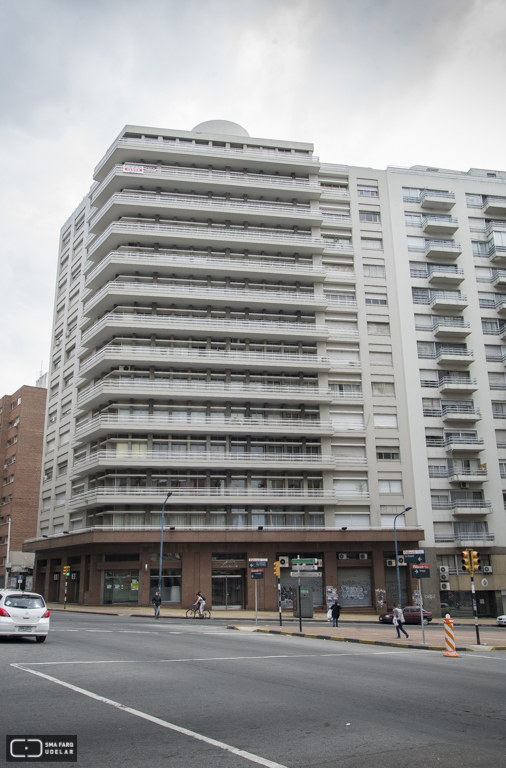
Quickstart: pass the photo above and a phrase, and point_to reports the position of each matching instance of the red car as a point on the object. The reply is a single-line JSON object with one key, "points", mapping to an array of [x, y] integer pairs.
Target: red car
{"points": [[411, 616]]}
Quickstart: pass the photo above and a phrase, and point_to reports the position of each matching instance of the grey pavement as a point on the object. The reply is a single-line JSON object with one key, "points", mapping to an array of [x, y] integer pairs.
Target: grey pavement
{"points": [[140, 692]]}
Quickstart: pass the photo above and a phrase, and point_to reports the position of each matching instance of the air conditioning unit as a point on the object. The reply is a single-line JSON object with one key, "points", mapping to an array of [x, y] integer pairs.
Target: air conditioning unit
{"points": [[363, 556], [73, 575], [124, 367], [465, 485], [444, 576], [342, 556], [444, 586], [401, 560], [391, 563], [319, 563], [443, 569], [487, 569], [284, 562]]}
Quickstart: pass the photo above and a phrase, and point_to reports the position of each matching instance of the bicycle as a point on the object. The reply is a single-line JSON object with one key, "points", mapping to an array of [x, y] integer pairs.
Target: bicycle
{"points": [[194, 613]]}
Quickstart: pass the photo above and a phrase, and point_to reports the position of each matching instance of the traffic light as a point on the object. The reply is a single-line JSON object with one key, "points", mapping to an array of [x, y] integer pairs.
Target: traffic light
{"points": [[466, 561], [277, 569], [66, 570], [475, 561]]}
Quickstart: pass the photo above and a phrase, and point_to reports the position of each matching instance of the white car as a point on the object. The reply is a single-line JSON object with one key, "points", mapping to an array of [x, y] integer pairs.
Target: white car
{"points": [[501, 621], [23, 614]]}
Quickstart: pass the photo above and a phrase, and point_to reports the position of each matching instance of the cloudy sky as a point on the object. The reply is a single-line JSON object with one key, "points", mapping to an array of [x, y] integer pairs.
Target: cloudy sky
{"points": [[369, 82]]}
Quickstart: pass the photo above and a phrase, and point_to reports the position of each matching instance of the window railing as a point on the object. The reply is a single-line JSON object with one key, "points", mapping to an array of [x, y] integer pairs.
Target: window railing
{"points": [[468, 536]]}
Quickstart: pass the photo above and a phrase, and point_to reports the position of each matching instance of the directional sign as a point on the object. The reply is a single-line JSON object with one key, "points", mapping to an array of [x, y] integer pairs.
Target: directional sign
{"points": [[305, 567], [258, 562], [305, 561], [257, 573], [420, 571], [414, 555], [306, 574]]}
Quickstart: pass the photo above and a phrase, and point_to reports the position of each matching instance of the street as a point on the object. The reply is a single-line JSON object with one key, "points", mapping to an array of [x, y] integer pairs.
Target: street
{"points": [[179, 693]]}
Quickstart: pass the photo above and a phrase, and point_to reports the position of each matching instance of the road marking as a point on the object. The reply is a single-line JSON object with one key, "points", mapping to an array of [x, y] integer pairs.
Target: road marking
{"points": [[157, 721]]}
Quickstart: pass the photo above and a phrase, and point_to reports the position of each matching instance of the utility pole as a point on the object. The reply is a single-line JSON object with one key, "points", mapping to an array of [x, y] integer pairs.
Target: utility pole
{"points": [[471, 563]]}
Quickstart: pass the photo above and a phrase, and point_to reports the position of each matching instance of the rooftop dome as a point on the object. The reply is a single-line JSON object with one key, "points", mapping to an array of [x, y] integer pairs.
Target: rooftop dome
{"points": [[220, 126]]}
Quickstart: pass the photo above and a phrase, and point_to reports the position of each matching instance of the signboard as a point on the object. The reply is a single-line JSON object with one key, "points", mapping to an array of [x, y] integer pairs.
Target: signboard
{"points": [[305, 567], [133, 168], [305, 561], [259, 562], [420, 571], [414, 555], [257, 573], [307, 574]]}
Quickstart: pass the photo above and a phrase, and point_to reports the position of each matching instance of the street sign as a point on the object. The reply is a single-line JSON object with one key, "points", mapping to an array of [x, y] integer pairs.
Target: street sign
{"points": [[420, 571], [305, 567], [305, 561], [258, 562], [257, 573], [414, 555], [307, 574]]}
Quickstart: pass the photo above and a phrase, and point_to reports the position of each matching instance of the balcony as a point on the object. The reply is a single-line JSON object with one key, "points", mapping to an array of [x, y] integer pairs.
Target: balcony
{"points": [[463, 444], [441, 201], [460, 413], [99, 426], [111, 459], [180, 389], [455, 356], [120, 323], [173, 235], [269, 160], [442, 249], [499, 280], [500, 305], [439, 225], [443, 300], [464, 506], [473, 475], [497, 254], [155, 496], [444, 275], [113, 355], [457, 384], [188, 179], [118, 291], [167, 205], [455, 327], [188, 263], [457, 538], [494, 206]]}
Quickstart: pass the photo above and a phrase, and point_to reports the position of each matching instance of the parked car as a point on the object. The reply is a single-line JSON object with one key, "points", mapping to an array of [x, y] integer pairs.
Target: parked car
{"points": [[501, 621], [411, 616], [23, 614]]}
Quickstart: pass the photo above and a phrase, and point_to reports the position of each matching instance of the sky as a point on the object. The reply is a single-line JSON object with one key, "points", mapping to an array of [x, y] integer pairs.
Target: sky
{"points": [[369, 82]]}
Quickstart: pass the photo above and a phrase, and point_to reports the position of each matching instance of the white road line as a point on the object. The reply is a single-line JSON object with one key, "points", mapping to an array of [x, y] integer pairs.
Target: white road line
{"points": [[157, 721]]}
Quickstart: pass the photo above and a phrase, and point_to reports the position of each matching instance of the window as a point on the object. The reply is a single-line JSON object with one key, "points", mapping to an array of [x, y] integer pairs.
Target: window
{"points": [[387, 454], [62, 469], [66, 409], [420, 295], [413, 219], [70, 352], [378, 329], [46, 503], [68, 381], [372, 217], [390, 486], [372, 243], [486, 300], [376, 298], [48, 474], [490, 326], [411, 193], [374, 270], [474, 201], [383, 388], [64, 438], [480, 249], [380, 358], [499, 410], [493, 353], [416, 243], [387, 420], [367, 190], [60, 499]]}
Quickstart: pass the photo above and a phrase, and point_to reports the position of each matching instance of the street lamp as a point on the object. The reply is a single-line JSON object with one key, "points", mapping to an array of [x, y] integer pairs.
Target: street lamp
{"points": [[161, 546], [397, 555]]}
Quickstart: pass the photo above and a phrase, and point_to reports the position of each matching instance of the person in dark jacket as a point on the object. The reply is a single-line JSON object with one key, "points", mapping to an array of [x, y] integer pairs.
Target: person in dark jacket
{"points": [[336, 612], [157, 601]]}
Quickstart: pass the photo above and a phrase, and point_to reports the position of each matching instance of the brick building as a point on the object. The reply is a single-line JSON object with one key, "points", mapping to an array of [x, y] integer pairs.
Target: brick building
{"points": [[21, 438]]}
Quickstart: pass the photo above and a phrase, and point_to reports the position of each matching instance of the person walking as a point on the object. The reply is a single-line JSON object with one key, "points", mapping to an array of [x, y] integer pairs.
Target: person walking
{"points": [[157, 601], [399, 620], [336, 612]]}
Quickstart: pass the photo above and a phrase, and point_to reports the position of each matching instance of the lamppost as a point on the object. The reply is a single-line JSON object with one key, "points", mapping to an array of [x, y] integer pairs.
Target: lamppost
{"points": [[396, 555], [161, 546]]}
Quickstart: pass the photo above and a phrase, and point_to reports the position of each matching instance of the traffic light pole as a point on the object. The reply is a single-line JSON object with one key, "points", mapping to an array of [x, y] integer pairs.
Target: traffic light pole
{"points": [[65, 594], [278, 587], [475, 609]]}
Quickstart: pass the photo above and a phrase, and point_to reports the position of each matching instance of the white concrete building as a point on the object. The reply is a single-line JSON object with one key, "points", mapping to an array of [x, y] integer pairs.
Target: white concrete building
{"points": [[298, 351]]}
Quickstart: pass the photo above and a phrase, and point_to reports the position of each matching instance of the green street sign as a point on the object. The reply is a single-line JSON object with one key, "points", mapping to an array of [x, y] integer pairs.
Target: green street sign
{"points": [[420, 571], [305, 561], [414, 555]]}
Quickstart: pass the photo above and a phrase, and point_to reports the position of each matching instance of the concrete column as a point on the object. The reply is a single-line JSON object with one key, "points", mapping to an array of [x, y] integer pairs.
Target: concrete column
{"points": [[145, 578], [379, 593], [94, 596]]}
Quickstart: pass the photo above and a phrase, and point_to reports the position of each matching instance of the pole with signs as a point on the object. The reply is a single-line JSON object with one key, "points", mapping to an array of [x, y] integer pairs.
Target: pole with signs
{"points": [[419, 571], [66, 571], [257, 566]]}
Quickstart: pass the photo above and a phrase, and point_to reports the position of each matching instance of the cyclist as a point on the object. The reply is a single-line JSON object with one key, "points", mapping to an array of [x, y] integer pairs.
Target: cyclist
{"points": [[199, 604]]}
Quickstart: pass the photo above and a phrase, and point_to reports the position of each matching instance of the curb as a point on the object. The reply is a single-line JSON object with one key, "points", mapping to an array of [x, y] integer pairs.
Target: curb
{"points": [[75, 610], [364, 641]]}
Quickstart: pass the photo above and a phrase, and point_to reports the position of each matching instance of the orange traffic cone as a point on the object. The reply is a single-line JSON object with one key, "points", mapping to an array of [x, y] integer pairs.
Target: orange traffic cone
{"points": [[450, 638]]}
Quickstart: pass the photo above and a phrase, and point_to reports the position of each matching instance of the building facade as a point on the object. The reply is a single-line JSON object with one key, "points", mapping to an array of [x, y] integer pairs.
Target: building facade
{"points": [[22, 417], [284, 346]]}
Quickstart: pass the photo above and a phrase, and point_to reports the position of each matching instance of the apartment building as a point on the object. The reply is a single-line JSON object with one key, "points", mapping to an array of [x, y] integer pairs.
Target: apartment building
{"points": [[22, 417], [284, 346]]}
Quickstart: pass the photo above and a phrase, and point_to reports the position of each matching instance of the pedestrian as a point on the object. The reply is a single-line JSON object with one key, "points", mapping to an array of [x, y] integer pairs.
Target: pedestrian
{"points": [[336, 612], [399, 620], [157, 601]]}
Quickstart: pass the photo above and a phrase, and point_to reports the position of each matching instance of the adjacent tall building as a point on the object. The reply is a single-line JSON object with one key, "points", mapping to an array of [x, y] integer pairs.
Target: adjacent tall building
{"points": [[300, 353], [22, 417]]}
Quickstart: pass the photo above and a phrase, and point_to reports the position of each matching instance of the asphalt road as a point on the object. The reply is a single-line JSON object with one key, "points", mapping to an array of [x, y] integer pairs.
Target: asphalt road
{"points": [[180, 694]]}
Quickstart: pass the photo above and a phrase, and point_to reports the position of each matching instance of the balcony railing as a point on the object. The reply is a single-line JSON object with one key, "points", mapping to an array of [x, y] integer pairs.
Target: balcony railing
{"points": [[462, 503], [123, 351], [233, 326], [459, 381], [455, 440], [468, 536], [140, 495], [460, 409]]}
